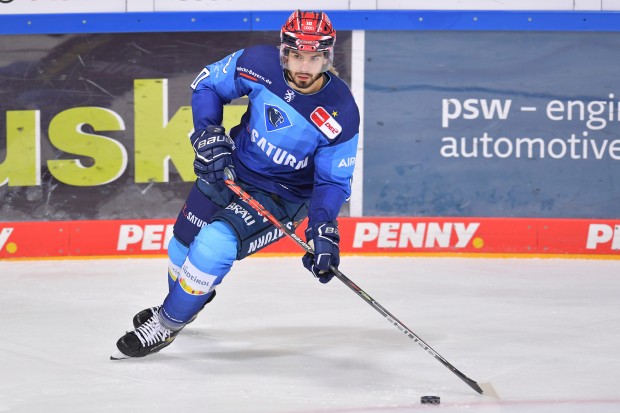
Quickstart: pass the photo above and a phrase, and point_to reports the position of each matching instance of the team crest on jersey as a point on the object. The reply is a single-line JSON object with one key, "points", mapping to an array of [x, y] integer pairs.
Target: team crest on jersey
{"points": [[326, 123], [275, 118]]}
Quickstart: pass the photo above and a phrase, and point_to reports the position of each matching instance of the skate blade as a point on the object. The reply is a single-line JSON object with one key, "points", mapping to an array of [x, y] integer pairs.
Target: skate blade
{"points": [[118, 356]]}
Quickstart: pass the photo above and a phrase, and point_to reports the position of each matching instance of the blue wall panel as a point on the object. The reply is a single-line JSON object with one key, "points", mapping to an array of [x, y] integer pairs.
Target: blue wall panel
{"points": [[424, 88], [272, 20]]}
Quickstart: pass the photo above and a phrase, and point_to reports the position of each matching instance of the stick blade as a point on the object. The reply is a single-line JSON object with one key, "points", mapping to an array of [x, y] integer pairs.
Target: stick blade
{"points": [[488, 390]]}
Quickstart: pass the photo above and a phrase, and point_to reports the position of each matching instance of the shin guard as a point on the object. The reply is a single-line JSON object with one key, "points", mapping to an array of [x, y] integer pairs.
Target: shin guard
{"points": [[210, 257]]}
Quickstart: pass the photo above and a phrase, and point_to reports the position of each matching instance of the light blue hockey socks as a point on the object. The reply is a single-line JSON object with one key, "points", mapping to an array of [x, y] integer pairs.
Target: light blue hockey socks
{"points": [[210, 258], [177, 253]]}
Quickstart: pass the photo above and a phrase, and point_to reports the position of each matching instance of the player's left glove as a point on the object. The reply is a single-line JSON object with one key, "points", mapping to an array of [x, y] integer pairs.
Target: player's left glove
{"points": [[213, 149], [326, 239]]}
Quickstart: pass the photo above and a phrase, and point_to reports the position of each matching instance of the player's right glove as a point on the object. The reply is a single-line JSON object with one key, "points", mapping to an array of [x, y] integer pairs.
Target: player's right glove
{"points": [[326, 239], [213, 149]]}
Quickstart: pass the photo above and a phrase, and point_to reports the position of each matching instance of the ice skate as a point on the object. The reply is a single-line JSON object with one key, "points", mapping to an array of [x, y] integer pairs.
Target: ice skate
{"points": [[144, 316], [150, 337]]}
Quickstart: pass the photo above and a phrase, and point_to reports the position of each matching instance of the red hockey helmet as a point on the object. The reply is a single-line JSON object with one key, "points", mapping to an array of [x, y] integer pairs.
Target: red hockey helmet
{"points": [[308, 31]]}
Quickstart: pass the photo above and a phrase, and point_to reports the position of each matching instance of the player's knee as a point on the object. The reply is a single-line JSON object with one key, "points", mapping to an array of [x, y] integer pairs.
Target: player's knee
{"points": [[177, 252], [214, 249]]}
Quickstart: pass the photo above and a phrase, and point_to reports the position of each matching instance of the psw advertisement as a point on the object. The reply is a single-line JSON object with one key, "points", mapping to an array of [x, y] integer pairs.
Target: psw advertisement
{"points": [[492, 124]]}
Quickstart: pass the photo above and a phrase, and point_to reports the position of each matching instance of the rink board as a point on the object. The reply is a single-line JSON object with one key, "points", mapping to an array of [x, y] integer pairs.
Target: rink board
{"points": [[394, 235]]}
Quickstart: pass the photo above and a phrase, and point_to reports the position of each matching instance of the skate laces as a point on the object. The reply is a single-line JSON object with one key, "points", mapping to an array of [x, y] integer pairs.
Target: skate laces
{"points": [[155, 310], [152, 331]]}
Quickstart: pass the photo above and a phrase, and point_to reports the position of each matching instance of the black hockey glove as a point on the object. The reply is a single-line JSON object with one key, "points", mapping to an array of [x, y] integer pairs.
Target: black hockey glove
{"points": [[325, 237], [213, 150]]}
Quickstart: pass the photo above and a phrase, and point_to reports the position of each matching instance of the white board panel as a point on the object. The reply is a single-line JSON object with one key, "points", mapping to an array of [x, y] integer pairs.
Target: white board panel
{"points": [[248, 5], [62, 6], [611, 5], [363, 4], [588, 5], [475, 5], [140, 5]]}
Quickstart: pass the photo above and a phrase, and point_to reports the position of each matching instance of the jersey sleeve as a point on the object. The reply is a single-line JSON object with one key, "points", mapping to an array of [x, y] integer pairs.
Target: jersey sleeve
{"points": [[334, 165], [215, 86]]}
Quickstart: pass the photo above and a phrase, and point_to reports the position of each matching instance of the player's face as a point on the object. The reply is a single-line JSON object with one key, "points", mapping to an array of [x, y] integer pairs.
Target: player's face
{"points": [[305, 68]]}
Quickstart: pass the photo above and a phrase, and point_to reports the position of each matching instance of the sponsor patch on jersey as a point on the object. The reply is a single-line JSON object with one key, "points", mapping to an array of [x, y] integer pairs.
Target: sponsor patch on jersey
{"points": [[275, 118], [326, 123], [252, 75]]}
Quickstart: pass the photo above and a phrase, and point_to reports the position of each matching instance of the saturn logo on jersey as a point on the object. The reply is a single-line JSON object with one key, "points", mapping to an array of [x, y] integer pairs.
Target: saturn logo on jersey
{"points": [[326, 123], [277, 155], [275, 118]]}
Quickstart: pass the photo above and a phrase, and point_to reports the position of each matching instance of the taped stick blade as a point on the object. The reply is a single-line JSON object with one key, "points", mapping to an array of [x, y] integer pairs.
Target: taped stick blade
{"points": [[488, 390]]}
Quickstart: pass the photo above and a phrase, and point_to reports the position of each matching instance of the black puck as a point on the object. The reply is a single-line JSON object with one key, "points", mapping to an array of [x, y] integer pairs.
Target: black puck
{"points": [[430, 399]]}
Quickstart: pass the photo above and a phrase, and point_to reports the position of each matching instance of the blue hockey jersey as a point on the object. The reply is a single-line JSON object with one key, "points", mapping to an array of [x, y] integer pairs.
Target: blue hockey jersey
{"points": [[301, 147]]}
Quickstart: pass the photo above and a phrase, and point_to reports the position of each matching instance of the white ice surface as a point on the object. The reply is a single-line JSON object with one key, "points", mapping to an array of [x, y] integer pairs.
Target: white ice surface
{"points": [[544, 332]]}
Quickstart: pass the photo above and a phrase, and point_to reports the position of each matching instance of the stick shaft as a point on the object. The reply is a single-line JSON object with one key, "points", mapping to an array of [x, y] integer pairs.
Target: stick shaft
{"points": [[361, 293]]}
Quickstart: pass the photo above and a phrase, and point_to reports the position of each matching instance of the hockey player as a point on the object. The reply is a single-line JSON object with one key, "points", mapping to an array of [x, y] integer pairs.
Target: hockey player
{"points": [[293, 151]]}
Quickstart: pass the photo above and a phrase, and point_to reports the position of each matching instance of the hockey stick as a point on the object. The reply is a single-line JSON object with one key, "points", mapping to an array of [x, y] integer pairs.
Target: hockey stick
{"points": [[482, 388]]}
